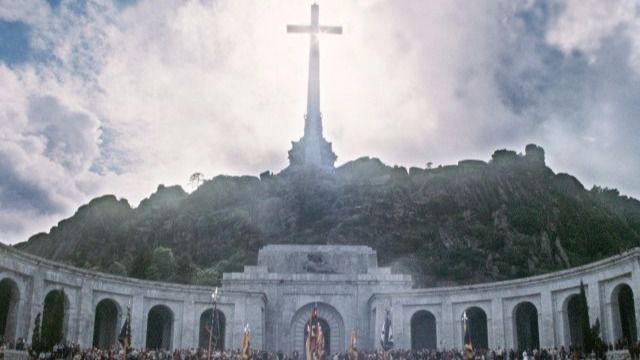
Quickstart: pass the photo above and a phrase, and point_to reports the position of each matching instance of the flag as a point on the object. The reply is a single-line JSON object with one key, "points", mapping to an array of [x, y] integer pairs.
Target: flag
{"points": [[353, 348], [313, 328], [125, 333], [386, 337], [353, 341], [313, 334], [467, 335], [320, 339], [468, 346], [246, 343]]}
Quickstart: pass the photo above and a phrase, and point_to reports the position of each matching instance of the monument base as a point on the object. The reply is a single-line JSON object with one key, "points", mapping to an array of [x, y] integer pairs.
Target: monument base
{"points": [[299, 156]]}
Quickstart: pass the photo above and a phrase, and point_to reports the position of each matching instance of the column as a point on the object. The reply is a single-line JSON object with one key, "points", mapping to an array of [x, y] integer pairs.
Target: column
{"points": [[190, 324], [178, 320], [446, 338], [508, 321], [594, 301], [37, 301], [72, 315], [404, 330], [138, 319], [609, 324], [86, 316], [635, 283], [546, 328], [382, 305], [253, 317], [23, 316], [496, 332]]}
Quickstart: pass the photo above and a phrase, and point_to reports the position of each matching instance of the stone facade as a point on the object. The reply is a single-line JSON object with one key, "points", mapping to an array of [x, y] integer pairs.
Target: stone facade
{"points": [[351, 292], [339, 279]]}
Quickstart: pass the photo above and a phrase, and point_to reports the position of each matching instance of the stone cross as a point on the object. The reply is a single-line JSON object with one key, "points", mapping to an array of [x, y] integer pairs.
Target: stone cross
{"points": [[313, 118]]}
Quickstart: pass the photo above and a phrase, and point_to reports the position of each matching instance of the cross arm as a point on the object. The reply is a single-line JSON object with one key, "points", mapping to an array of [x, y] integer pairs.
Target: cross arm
{"points": [[331, 29], [299, 29], [309, 29]]}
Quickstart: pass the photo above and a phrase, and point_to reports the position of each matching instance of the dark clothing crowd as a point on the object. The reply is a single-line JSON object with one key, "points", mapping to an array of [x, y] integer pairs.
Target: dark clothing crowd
{"points": [[74, 352]]}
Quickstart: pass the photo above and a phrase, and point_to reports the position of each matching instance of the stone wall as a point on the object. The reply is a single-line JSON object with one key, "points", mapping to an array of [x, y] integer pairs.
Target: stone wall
{"points": [[36, 277], [292, 287], [275, 298], [549, 294]]}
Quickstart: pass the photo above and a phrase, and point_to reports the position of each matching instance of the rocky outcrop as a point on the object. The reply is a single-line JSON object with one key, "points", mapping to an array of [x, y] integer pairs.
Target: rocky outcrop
{"points": [[466, 223]]}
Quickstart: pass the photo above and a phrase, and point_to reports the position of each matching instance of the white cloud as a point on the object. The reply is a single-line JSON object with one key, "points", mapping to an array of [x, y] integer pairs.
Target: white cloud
{"points": [[585, 24], [32, 12], [46, 148], [130, 97]]}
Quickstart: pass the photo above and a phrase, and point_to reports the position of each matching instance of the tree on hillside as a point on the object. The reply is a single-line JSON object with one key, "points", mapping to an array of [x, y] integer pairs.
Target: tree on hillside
{"points": [[163, 264], [599, 346], [196, 179], [36, 341], [53, 320], [584, 321], [208, 277], [139, 266]]}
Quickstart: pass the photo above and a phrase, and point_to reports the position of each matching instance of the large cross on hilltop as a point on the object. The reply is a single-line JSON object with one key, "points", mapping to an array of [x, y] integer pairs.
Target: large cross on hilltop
{"points": [[316, 151]]}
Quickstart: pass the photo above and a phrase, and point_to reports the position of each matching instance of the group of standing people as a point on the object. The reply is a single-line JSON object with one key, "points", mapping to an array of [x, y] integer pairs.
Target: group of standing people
{"points": [[74, 352]]}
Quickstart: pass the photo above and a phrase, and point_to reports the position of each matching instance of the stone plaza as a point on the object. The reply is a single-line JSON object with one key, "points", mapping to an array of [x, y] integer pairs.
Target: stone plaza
{"points": [[349, 289]]}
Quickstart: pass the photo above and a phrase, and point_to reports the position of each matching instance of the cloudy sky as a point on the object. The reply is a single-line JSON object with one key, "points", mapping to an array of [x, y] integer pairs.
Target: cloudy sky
{"points": [[118, 96]]}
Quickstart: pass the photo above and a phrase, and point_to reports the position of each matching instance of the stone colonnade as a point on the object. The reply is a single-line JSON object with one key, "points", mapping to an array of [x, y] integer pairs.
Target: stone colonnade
{"points": [[542, 300], [32, 279], [529, 312]]}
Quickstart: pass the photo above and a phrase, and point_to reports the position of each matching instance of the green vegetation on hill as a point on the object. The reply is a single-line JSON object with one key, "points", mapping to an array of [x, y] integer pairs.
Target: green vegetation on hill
{"points": [[467, 223]]}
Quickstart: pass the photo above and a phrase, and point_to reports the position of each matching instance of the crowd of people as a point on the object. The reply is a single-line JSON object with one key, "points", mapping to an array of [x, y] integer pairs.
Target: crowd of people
{"points": [[74, 352]]}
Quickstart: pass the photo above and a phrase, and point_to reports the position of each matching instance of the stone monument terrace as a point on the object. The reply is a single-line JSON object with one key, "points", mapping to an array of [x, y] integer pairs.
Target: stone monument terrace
{"points": [[349, 289]]}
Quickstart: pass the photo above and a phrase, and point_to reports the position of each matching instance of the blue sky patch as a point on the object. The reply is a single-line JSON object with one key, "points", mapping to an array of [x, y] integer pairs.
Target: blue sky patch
{"points": [[124, 3], [54, 3], [14, 42]]}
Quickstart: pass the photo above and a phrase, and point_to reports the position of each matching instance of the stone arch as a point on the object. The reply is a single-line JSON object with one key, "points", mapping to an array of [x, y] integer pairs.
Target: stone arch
{"points": [[9, 308], [105, 326], [573, 323], [160, 327], [623, 313], [327, 313], [219, 328], [478, 329], [423, 331], [55, 318], [525, 324]]}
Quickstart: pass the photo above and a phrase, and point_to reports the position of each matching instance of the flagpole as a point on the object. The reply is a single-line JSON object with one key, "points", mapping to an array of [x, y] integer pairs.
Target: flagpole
{"points": [[468, 344], [127, 331], [214, 300]]}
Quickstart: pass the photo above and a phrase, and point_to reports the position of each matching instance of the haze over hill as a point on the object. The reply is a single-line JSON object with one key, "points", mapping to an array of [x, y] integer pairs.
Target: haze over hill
{"points": [[98, 97], [473, 222]]}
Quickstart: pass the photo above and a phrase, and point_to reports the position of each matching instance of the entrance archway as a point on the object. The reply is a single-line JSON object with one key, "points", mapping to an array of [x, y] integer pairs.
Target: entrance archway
{"points": [[9, 299], [526, 326], [423, 331], [54, 318], [219, 326], [334, 337], [159, 327], [624, 314], [478, 327], [105, 326], [574, 321]]}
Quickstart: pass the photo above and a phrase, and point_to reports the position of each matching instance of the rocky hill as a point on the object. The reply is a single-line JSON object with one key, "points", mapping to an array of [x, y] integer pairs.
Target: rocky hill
{"points": [[473, 222]]}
